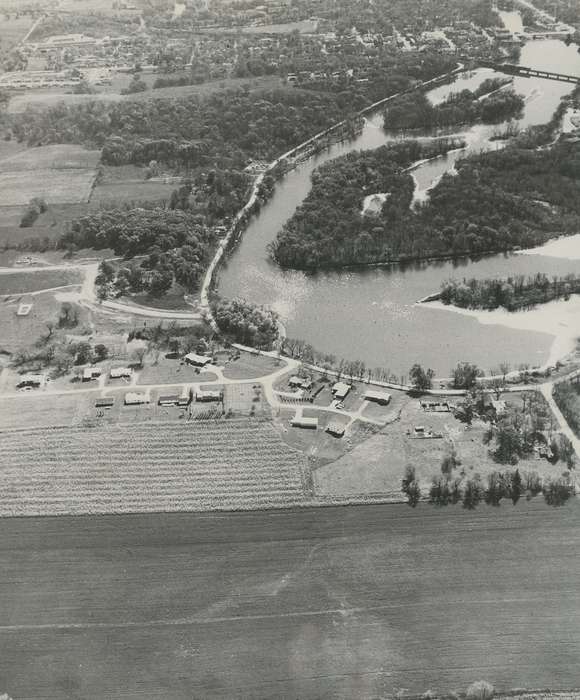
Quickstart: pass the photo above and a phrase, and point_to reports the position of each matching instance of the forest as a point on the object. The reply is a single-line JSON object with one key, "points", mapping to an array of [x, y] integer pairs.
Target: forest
{"points": [[513, 293], [414, 110], [497, 201], [567, 396], [223, 129], [177, 247], [246, 323]]}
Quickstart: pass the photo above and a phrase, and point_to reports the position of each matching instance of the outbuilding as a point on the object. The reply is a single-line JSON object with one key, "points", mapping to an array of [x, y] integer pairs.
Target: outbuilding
{"points": [[105, 402], [335, 429], [136, 398], [121, 373], [90, 373], [34, 380], [201, 395], [168, 400], [381, 397]]}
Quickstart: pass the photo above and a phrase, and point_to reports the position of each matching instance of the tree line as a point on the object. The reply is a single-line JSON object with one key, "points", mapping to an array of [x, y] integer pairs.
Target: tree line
{"points": [[512, 293]]}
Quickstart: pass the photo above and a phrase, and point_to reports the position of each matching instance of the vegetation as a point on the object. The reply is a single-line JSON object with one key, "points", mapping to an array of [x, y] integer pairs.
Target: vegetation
{"points": [[498, 201], [513, 293], [247, 323], [328, 228], [421, 379], [410, 487], [567, 396], [465, 375], [414, 110], [34, 209]]}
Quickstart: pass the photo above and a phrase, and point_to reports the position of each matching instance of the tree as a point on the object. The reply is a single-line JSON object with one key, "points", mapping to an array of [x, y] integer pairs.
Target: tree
{"points": [[516, 486], [138, 355], [472, 493], [410, 486], [69, 315], [480, 690], [465, 375], [558, 491], [509, 443], [101, 352], [421, 379], [84, 353]]}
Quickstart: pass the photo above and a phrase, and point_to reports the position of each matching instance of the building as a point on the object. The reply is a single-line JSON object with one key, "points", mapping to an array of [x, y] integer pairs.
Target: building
{"points": [[121, 373], [24, 309], [90, 373], [136, 398], [105, 402], [498, 407], [340, 390], [33, 380], [201, 395], [380, 397], [300, 383], [168, 400], [197, 360], [436, 406], [335, 429], [302, 422]]}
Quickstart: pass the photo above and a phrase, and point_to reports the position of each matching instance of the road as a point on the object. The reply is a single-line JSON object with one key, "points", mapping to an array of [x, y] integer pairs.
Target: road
{"points": [[334, 603]]}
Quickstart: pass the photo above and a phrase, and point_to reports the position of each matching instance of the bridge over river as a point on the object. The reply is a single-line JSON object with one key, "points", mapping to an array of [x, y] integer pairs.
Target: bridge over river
{"points": [[525, 72]]}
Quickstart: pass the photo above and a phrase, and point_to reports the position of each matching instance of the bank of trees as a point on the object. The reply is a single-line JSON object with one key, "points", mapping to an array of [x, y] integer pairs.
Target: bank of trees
{"points": [[567, 396], [512, 293], [414, 110], [247, 323], [496, 202]]}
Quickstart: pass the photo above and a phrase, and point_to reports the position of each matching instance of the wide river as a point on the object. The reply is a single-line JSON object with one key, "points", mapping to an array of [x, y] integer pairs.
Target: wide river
{"points": [[371, 314]]}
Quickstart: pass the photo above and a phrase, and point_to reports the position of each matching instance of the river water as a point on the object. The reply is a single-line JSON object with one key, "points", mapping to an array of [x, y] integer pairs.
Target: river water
{"points": [[371, 314]]}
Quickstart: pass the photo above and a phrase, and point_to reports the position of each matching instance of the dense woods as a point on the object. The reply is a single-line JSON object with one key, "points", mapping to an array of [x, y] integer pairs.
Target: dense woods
{"points": [[224, 129], [513, 293], [247, 323], [497, 201], [414, 110], [567, 396], [329, 227]]}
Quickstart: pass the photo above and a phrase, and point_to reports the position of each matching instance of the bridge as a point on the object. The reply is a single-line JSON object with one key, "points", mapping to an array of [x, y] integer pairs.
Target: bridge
{"points": [[526, 72]]}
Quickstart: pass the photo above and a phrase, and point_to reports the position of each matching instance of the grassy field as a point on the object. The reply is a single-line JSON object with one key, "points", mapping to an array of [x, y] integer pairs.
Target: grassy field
{"points": [[166, 466], [251, 366], [111, 194], [22, 282], [55, 186], [342, 603], [13, 30], [377, 465], [28, 411]]}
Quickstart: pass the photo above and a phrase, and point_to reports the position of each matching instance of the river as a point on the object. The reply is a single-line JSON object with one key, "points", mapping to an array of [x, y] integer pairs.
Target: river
{"points": [[371, 314]]}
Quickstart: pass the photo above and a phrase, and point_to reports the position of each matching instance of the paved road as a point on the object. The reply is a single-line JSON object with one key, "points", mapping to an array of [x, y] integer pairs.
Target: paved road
{"points": [[335, 603]]}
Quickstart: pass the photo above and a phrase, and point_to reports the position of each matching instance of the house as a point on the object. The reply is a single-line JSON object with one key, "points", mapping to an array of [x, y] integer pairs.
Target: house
{"points": [[340, 390], [201, 395], [335, 429], [380, 397], [121, 373], [168, 400], [33, 380], [105, 402], [136, 398], [302, 422], [90, 373], [197, 360], [300, 382]]}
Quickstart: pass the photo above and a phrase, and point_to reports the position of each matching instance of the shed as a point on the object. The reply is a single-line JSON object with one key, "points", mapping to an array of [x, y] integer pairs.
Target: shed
{"points": [[336, 429], [90, 373], [121, 373], [32, 380], [168, 400], [197, 360], [302, 422], [380, 397], [340, 390], [201, 395]]}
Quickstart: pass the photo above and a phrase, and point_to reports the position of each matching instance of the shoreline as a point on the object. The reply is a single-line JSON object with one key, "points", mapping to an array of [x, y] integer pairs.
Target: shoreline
{"points": [[559, 319]]}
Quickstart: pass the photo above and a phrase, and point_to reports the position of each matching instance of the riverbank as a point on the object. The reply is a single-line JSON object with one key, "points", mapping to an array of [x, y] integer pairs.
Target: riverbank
{"points": [[560, 318]]}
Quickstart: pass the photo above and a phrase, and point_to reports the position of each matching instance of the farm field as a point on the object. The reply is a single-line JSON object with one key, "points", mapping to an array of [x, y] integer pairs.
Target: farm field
{"points": [[27, 411], [164, 466], [351, 602], [23, 282], [119, 192]]}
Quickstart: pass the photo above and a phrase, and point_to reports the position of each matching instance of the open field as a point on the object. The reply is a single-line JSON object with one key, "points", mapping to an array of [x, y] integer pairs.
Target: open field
{"points": [[111, 194], [342, 603], [170, 371], [198, 465], [27, 411], [13, 30], [251, 366], [23, 282], [60, 157], [377, 465]]}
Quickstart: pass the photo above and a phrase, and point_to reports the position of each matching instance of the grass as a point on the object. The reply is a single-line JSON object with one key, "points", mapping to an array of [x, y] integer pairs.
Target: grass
{"points": [[166, 466], [377, 465], [58, 157], [55, 186], [251, 366], [169, 371], [22, 331], [256, 605], [19, 283], [111, 194], [30, 411]]}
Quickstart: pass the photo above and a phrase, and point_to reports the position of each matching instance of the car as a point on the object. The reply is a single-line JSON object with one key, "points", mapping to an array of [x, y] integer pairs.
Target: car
{"points": [[26, 388], [340, 405]]}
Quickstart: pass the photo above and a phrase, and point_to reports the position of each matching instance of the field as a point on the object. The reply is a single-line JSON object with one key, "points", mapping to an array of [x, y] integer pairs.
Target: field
{"points": [[377, 465], [343, 603], [116, 193], [251, 366], [24, 282], [198, 465], [27, 411]]}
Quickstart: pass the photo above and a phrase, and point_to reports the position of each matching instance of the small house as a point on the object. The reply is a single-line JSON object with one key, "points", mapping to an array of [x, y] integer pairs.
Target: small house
{"points": [[121, 373], [90, 373], [168, 400], [33, 380], [340, 390], [335, 429], [380, 397], [302, 422], [205, 396], [197, 360], [295, 382], [136, 398], [105, 402]]}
